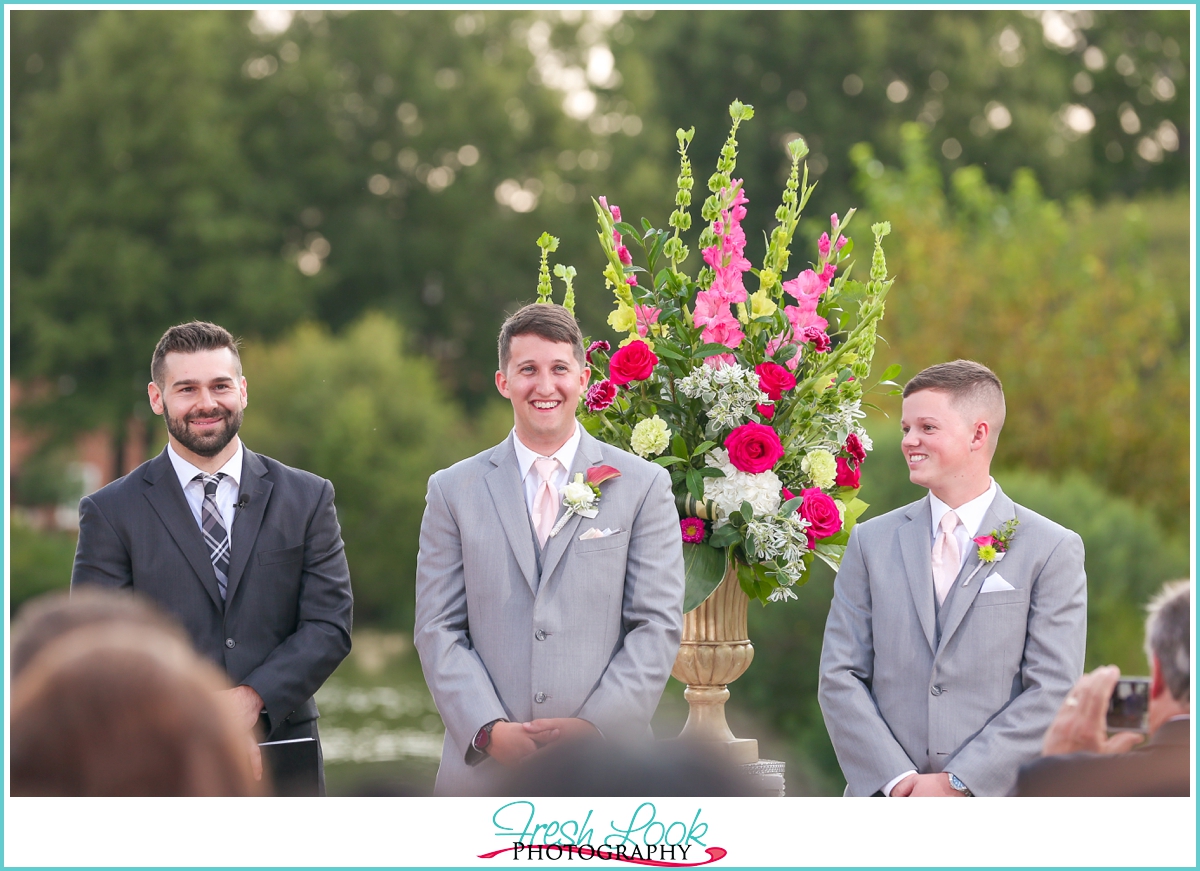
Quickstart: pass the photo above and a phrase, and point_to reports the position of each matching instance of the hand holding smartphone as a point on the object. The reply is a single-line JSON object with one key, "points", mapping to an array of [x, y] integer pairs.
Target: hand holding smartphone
{"points": [[1129, 705]]}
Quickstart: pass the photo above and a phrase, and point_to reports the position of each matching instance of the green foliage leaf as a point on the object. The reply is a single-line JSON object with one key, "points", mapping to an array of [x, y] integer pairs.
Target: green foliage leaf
{"points": [[703, 568]]}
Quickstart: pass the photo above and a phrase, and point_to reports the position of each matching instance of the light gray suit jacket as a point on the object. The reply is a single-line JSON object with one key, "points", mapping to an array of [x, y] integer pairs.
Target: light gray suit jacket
{"points": [[585, 629], [970, 687]]}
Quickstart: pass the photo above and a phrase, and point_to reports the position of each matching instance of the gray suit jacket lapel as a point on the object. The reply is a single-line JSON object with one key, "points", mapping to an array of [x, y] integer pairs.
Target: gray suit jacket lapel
{"points": [[588, 454], [918, 567], [166, 497], [247, 521], [1001, 510], [504, 483]]}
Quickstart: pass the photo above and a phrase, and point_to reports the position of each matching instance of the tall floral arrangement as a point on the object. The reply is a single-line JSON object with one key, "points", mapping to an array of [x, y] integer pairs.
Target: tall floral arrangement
{"points": [[751, 396]]}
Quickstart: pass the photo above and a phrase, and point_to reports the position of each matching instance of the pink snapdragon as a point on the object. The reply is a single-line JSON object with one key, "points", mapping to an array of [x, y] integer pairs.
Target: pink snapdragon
{"points": [[646, 316], [624, 256], [727, 257], [824, 245]]}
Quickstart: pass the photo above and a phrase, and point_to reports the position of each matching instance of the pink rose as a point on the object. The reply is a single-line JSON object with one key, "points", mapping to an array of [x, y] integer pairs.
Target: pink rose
{"points": [[822, 515], [774, 380], [633, 362], [753, 448], [767, 411], [848, 474], [600, 395]]}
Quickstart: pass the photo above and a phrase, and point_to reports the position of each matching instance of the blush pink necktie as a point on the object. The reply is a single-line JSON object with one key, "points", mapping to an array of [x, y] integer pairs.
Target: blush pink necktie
{"points": [[545, 503], [945, 557]]}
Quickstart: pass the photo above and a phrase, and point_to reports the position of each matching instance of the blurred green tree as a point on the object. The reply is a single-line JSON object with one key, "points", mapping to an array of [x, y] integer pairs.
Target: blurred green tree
{"points": [[1093, 101], [363, 411], [257, 170], [1083, 311]]}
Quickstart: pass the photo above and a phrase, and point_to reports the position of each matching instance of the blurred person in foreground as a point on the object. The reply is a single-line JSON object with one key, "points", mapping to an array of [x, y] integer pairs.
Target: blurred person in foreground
{"points": [[48, 617], [958, 622], [534, 623], [1079, 758], [101, 710], [593, 766], [244, 551]]}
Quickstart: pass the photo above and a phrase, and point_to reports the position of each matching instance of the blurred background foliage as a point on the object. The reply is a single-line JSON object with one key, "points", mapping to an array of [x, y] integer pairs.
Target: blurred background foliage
{"points": [[357, 194]]}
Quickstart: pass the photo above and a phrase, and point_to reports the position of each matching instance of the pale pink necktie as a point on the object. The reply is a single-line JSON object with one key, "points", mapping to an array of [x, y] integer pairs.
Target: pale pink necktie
{"points": [[545, 503], [945, 556]]}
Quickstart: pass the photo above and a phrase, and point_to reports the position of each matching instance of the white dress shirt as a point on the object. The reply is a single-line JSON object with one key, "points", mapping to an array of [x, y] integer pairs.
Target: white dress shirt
{"points": [[525, 457], [970, 517], [227, 489]]}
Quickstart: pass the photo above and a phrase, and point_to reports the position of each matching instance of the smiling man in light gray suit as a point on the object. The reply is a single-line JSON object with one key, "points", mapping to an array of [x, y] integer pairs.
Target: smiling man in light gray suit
{"points": [[527, 637], [940, 672]]}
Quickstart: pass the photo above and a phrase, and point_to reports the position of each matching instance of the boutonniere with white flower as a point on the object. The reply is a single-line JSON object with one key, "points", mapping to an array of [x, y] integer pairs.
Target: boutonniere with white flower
{"points": [[582, 496], [993, 546]]}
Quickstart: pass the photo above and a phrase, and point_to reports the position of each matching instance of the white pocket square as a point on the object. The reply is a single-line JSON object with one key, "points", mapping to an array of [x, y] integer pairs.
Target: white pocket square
{"points": [[598, 533], [994, 584]]}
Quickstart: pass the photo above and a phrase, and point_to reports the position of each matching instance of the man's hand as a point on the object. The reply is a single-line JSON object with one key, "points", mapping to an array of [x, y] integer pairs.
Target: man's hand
{"points": [[1081, 723], [255, 757], [558, 728], [924, 785], [510, 743], [246, 705]]}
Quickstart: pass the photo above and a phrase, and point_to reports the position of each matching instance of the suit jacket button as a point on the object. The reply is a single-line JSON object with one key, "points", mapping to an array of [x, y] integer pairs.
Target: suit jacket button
{"points": [[540, 635], [230, 643], [937, 691], [539, 698]]}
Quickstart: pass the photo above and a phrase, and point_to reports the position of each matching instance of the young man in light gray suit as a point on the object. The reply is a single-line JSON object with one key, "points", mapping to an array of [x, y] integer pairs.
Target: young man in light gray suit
{"points": [[940, 672], [527, 637]]}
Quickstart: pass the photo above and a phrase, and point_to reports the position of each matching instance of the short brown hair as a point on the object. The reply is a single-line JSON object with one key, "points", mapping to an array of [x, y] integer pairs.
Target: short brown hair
{"points": [[106, 711], [550, 321], [48, 617], [1168, 634], [968, 383], [188, 339]]}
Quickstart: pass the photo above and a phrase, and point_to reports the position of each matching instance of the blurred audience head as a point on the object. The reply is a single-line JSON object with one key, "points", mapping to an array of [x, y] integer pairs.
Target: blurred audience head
{"points": [[121, 706], [594, 766], [51, 616], [1168, 648]]}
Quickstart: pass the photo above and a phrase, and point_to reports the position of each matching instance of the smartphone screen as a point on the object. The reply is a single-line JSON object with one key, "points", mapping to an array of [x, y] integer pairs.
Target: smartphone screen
{"points": [[1129, 704]]}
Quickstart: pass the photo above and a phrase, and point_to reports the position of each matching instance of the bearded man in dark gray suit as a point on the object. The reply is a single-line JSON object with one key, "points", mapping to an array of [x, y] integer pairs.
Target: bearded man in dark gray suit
{"points": [[244, 551]]}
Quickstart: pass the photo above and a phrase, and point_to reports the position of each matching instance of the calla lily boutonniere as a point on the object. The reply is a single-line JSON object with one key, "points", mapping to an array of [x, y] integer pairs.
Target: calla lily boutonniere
{"points": [[993, 546], [582, 496]]}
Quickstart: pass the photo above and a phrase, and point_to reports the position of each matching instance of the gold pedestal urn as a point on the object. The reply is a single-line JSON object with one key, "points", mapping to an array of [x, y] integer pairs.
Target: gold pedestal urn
{"points": [[715, 652]]}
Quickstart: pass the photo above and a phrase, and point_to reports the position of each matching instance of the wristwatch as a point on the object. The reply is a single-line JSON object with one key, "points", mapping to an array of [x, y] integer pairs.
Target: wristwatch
{"points": [[484, 736], [958, 786]]}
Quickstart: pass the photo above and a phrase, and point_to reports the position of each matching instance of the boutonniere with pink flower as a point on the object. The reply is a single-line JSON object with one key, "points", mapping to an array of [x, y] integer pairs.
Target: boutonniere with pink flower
{"points": [[993, 546], [582, 496]]}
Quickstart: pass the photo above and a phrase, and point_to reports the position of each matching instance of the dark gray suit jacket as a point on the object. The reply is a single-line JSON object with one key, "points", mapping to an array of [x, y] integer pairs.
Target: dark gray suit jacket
{"points": [[285, 624]]}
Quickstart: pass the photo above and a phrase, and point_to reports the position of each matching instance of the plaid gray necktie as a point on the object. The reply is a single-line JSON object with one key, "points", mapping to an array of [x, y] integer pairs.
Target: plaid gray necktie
{"points": [[215, 534]]}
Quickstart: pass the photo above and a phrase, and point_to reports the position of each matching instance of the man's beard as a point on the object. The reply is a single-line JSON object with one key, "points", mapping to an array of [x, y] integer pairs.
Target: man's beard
{"points": [[204, 445]]}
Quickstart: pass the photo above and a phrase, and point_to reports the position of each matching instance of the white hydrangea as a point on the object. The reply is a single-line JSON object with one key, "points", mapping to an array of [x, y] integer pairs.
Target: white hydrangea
{"points": [[730, 392], [650, 437], [762, 491]]}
